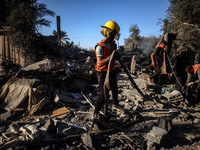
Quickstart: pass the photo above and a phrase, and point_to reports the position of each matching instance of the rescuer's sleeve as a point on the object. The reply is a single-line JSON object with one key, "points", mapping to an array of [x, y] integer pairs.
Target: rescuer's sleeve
{"points": [[99, 51]]}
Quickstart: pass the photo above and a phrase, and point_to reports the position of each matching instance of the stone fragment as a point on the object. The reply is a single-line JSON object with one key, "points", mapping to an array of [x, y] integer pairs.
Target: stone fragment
{"points": [[127, 106], [156, 134]]}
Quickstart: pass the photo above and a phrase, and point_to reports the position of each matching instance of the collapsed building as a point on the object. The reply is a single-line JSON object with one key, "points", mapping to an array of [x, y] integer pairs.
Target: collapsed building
{"points": [[50, 105]]}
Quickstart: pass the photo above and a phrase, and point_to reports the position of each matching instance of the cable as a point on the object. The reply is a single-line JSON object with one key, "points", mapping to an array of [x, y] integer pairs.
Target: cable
{"points": [[174, 72]]}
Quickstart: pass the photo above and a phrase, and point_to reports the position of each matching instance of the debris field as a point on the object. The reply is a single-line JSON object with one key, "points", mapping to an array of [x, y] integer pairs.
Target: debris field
{"points": [[50, 105]]}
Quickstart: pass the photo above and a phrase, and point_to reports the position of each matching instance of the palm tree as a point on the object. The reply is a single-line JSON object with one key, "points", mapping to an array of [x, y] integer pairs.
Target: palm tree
{"points": [[25, 17], [63, 35]]}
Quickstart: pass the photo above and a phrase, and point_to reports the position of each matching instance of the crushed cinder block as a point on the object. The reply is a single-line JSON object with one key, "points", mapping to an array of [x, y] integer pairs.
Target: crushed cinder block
{"points": [[156, 134]]}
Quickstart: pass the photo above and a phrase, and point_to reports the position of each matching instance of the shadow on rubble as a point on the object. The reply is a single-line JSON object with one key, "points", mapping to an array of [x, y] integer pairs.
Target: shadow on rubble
{"points": [[180, 136]]}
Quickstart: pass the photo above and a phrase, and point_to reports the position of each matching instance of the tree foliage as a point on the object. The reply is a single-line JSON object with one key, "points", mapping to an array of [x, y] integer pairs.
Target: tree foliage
{"points": [[183, 16], [25, 17], [133, 40], [3, 12], [64, 36]]}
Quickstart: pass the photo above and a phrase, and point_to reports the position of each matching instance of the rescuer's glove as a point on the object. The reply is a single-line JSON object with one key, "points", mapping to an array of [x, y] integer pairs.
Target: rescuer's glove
{"points": [[190, 83]]}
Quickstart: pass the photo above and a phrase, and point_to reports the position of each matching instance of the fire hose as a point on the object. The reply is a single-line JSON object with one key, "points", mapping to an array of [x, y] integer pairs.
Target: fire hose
{"points": [[107, 84]]}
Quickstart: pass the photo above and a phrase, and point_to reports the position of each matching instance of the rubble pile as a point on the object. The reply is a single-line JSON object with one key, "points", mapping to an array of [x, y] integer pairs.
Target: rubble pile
{"points": [[50, 105]]}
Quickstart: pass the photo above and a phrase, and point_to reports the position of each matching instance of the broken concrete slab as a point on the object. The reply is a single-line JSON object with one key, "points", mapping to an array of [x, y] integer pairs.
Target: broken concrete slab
{"points": [[37, 65]]}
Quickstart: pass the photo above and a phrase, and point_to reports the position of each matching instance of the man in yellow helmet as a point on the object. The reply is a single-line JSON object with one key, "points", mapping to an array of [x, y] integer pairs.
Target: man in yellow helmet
{"points": [[103, 50]]}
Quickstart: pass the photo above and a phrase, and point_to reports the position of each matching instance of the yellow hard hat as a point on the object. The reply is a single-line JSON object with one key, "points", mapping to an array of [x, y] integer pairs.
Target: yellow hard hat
{"points": [[112, 25]]}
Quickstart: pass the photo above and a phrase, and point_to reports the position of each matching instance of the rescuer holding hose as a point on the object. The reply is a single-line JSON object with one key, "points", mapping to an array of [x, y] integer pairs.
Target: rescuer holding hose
{"points": [[103, 51]]}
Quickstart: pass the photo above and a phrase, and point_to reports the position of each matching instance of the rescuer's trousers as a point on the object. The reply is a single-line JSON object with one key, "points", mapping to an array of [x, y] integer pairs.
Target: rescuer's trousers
{"points": [[156, 73], [113, 85]]}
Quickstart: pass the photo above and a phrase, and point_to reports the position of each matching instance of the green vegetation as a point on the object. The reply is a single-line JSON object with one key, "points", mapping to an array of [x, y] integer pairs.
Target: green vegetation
{"points": [[25, 17], [183, 17], [135, 41]]}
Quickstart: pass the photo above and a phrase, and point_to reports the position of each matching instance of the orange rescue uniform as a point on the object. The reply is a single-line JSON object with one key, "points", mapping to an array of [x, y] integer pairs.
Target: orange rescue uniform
{"points": [[106, 53]]}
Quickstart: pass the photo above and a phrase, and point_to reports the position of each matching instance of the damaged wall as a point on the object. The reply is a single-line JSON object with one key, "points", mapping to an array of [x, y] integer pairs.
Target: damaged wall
{"points": [[8, 52]]}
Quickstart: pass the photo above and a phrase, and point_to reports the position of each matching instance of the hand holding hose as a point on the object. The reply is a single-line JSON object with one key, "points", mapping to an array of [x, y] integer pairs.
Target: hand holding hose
{"points": [[190, 83]]}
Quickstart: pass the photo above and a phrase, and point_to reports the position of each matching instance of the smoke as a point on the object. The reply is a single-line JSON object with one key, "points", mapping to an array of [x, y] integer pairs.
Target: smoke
{"points": [[147, 44]]}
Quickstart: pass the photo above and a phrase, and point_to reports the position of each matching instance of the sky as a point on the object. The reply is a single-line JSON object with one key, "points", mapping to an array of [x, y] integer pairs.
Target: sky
{"points": [[82, 19]]}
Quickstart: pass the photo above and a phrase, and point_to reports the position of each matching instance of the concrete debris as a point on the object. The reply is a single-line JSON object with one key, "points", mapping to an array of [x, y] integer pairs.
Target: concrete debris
{"points": [[50, 105], [156, 135], [174, 96], [30, 132]]}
